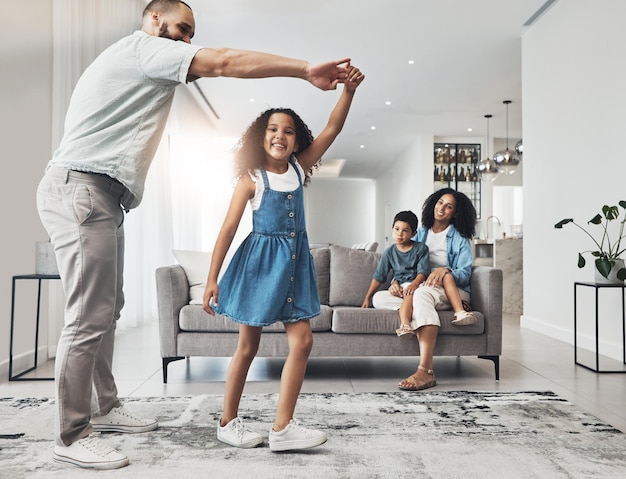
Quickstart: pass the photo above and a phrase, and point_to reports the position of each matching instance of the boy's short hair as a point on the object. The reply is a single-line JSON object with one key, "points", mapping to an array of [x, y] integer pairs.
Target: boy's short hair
{"points": [[408, 217]]}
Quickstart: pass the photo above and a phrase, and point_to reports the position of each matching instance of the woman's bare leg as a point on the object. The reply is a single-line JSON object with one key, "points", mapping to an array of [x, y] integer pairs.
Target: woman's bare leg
{"points": [[427, 338]]}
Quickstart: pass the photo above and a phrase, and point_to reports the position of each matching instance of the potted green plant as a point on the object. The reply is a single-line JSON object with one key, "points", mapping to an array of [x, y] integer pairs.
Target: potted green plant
{"points": [[608, 253]]}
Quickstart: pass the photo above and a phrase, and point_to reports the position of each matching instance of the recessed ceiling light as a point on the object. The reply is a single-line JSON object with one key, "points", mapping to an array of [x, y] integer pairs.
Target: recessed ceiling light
{"points": [[411, 62], [362, 146], [372, 127], [387, 103], [251, 99], [469, 129]]}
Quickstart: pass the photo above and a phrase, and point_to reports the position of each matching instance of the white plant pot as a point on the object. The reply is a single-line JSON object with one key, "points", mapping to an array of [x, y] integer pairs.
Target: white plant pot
{"points": [[612, 279]]}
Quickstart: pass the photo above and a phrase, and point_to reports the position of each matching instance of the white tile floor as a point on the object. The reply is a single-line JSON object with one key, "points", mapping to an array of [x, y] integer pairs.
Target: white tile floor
{"points": [[529, 361]]}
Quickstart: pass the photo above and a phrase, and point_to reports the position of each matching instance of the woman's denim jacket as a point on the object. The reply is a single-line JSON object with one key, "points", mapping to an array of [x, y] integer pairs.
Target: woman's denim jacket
{"points": [[460, 257]]}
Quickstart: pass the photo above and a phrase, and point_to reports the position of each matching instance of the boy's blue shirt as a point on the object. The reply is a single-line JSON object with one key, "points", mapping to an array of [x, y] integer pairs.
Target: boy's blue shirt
{"points": [[459, 258], [405, 266]]}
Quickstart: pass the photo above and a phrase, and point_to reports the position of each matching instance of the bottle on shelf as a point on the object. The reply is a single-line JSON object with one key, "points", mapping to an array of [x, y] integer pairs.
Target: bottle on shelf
{"points": [[474, 175], [460, 175], [455, 167]]}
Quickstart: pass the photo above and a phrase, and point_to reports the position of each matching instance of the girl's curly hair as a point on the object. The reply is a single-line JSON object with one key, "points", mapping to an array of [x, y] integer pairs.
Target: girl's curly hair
{"points": [[249, 153], [464, 219]]}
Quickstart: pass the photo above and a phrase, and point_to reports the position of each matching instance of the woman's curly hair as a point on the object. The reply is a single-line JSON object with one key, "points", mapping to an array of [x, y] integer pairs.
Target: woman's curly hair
{"points": [[249, 151], [464, 219]]}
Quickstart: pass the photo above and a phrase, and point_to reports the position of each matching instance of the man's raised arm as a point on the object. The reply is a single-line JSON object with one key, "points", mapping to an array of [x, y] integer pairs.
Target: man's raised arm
{"points": [[228, 62]]}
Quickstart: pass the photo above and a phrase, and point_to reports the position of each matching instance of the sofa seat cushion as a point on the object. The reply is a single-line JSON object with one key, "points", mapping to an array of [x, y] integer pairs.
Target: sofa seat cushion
{"points": [[194, 319], [347, 319], [350, 320]]}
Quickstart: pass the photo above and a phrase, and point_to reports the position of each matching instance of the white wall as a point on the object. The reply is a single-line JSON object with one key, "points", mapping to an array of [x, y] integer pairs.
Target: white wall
{"points": [[573, 116], [25, 96], [340, 211], [404, 186], [408, 182]]}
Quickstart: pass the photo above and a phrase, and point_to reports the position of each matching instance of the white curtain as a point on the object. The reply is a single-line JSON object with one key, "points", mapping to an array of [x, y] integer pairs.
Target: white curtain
{"points": [[81, 30], [188, 190], [148, 233], [189, 184]]}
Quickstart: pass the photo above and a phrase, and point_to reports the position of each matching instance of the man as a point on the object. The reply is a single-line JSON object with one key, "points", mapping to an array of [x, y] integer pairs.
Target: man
{"points": [[113, 126]]}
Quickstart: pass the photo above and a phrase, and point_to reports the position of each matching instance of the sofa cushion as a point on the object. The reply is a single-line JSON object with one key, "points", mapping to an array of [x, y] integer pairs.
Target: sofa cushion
{"points": [[350, 320], [321, 259], [351, 272], [371, 246], [196, 265], [194, 319]]}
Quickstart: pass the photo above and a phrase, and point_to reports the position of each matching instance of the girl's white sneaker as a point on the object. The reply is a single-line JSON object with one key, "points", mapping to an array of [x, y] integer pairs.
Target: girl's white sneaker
{"points": [[295, 437], [236, 434]]}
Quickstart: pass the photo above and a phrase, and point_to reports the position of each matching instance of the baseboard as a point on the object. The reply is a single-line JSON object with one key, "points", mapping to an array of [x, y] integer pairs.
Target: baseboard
{"points": [[609, 349], [23, 361]]}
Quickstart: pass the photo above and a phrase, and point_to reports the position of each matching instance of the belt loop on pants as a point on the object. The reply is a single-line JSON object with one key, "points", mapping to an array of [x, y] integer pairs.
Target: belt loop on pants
{"points": [[102, 181]]}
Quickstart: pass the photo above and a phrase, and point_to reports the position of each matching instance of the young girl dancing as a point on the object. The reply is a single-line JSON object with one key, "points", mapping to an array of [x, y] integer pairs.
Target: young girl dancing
{"points": [[271, 276]]}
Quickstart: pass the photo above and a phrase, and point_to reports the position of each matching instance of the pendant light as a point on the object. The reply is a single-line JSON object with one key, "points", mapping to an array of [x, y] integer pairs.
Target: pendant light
{"points": [[487, 168], [506, 160]]}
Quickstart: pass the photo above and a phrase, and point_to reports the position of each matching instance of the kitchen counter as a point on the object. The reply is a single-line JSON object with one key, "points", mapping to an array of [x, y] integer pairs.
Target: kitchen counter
{"points": [[509, 257]]}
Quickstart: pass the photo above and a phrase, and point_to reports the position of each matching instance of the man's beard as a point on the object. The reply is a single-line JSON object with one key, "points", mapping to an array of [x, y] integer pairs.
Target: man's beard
{"points": [[164, 32]]}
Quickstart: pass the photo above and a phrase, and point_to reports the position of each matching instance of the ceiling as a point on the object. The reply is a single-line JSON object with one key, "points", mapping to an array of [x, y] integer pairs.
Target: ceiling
{"points": [[466, 61]]}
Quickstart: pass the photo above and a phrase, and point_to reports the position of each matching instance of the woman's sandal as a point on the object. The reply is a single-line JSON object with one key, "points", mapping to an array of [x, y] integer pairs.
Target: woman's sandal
{"points": [[403, 330], [414, 383]]}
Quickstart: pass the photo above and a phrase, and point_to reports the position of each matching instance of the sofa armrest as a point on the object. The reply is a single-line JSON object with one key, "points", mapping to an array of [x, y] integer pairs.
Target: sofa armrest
{"points": [[172, 294], [486, 297]]}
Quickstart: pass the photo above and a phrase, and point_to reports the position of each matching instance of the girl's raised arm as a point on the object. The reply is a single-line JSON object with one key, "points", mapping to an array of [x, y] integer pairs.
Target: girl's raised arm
{"points": [[322, 142]]}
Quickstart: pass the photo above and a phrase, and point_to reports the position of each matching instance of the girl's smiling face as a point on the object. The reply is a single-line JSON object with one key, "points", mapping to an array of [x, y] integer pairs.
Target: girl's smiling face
{"points": [[280, 138], [445, 209]]}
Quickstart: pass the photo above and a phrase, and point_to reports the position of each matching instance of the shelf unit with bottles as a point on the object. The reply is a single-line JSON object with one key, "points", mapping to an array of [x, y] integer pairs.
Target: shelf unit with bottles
{"points": [[455, 167]]}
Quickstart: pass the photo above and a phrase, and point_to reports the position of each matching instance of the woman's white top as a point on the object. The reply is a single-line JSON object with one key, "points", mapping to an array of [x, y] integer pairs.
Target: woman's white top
{"points": [[437, 248]]}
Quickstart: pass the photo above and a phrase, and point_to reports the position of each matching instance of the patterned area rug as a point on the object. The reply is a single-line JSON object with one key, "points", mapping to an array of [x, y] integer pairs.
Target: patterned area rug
{"points": [[372, 435]]}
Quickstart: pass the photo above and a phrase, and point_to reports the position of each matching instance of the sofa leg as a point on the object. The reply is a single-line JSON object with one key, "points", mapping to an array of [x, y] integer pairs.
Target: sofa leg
{"points": [[166, 361], [496, 364]]}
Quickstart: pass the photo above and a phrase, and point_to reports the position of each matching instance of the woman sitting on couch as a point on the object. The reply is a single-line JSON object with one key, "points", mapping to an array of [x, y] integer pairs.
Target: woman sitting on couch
{"points": [[448, 224]]}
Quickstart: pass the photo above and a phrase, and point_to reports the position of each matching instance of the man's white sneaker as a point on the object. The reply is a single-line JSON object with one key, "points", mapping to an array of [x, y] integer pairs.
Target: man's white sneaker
{"points": [[91, 453], [119, 420], [294, 437], [236, 434]]}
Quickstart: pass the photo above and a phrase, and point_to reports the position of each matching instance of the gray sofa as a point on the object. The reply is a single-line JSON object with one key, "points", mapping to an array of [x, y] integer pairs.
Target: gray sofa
{"points": [[342, 329]]}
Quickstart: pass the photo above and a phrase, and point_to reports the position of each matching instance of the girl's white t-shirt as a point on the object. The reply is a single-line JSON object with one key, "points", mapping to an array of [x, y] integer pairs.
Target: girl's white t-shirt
{"points": [[287, 181], [437, 248]]}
